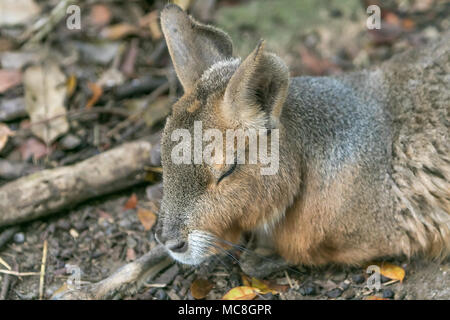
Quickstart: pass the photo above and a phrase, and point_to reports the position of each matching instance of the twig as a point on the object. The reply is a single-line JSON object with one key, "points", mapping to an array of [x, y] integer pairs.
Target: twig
{"points": [[154, 169], [151, 98], [19, 274], [6, 235], [42, 277], [288, 279], [391, 282], [44, 26], [5, 286], [3, 262], [75, 113]]}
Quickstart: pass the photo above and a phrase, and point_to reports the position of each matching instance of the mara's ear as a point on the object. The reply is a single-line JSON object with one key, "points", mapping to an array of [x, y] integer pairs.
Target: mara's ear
{"points": [[257, 90], [193, 46]]}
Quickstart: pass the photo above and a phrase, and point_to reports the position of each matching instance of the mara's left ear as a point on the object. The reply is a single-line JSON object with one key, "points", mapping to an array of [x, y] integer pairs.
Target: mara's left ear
{"points": [[257, 90], [193, 46]]}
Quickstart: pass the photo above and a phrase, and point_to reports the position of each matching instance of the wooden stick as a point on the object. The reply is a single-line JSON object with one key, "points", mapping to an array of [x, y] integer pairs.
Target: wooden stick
{"points": [[42, 276], [51, 190]]}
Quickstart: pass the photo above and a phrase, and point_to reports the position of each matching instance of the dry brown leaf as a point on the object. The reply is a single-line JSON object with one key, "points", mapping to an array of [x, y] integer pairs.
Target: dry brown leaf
{"points": [[33, 148], [119, 31], [392, 271], [131, 255], [45, 94], [17, 12], [71, 84], [200, 288], [375, 298], [100, 15], [5, 133], [241, 293], [131, 202], [9, 79], [97, 92], [147, 218]]}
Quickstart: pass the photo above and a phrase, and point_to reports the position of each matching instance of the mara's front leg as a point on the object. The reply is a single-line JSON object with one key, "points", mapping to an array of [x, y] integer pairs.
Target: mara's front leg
{"points": [[260, 259]]}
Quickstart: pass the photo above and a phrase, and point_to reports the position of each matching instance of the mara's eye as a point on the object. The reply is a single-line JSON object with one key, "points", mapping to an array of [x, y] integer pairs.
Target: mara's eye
{"points": [[228, 172]]}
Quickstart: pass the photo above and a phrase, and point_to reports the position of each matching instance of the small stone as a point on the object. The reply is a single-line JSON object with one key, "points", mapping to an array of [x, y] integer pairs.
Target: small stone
{"points": [[344, 285], [173, 296], [168, 275], [308, 290], [358, 278], [235, 280], [400, 295], [339, 277], [19, 238], [384, 279], [160, 294], [154, 192], [388, 293], [155, 155], [267, 296], [70, 142], [334, 293], [63, 225], [131, 242], [349, 294]]}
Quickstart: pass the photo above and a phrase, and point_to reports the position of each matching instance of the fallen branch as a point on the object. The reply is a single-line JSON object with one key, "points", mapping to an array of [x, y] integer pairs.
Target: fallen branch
{"points": [[52, 190], [126, 280]]}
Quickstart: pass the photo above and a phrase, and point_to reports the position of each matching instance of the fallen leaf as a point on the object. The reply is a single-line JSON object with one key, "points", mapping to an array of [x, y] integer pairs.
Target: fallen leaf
{"points": [[147, 218], [5, 133], [119, 31], [375, 298], [392, 271], [408, 24], [17, 12], [71, 85], [131, 202], [262, 286], [241, 293], [33, 148], [9, 79], [131, 254], [100, 15], [105, 215], [97, 92], [45, 94], [200, 288], [74, 233]]}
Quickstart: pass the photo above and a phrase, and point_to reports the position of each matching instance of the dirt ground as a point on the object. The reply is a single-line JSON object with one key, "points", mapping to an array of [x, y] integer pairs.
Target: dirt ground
{"points": [[98, 236]]}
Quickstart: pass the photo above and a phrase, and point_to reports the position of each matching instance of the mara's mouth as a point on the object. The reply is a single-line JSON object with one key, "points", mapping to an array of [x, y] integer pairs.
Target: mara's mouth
{"points": [[200, 246]]}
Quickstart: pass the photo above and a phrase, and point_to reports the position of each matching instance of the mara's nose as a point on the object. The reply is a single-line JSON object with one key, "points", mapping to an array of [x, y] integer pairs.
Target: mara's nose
{"points": [[177, 246]]}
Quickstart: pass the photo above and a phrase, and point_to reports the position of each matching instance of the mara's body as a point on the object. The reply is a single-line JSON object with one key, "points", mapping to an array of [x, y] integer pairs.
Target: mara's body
{"points": [[364, 158], [374, 162]]}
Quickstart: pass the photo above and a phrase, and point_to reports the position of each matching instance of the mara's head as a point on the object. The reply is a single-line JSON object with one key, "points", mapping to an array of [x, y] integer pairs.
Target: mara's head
{"points": [[212, 188]]}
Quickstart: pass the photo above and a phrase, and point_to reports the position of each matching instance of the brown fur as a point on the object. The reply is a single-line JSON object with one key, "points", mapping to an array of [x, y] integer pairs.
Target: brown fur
{"points": [[364, 157]]}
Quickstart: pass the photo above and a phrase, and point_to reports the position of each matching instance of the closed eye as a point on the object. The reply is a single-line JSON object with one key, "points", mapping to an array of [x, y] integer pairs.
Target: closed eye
{"points": [[228, 172]]}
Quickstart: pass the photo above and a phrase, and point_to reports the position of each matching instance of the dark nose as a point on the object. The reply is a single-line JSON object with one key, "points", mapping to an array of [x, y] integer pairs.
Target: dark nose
{"points": [[177, 246]]}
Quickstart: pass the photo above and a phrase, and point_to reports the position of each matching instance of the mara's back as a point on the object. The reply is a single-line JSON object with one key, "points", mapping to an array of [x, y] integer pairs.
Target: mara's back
{"points": [[377, 160]]}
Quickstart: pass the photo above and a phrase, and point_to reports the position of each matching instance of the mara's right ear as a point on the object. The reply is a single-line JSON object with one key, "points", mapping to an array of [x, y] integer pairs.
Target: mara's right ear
{"points": [[193, 46], [256, 92]]}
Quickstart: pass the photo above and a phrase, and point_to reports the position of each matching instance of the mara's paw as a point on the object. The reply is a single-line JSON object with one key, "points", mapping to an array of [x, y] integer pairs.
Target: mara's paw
{"points": [[261, 263]]}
